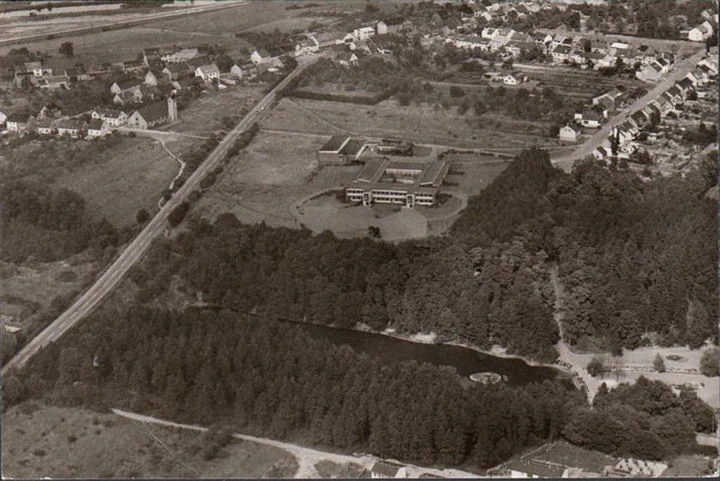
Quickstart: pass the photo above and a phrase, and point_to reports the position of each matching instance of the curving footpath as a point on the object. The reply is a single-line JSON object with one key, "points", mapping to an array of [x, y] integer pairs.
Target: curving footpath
{"points": [[135, 250]]}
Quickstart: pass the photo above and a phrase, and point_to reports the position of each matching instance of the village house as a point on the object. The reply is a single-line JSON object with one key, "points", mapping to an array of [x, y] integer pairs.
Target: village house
{"points": [[53, 82], [150, 54], [306, 46], [610, 100], [70, 127], [35, 68], [174, 71], [3, 118], [347, 59], [96, 128], [569, 133], [182, 55], [363, 33], [701, 32], [43, 126], [154, 114], [208, 72], [127, 87], [133, 66], [113, 117], [590, 117], [383, 470], [511, 79], [18, 122], [260, 56], [561, 54], [601, 153], [151, 78], [528, 468]]}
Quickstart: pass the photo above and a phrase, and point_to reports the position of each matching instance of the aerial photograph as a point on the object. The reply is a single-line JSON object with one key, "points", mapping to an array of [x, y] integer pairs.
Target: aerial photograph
{"points": [[246, 239]]}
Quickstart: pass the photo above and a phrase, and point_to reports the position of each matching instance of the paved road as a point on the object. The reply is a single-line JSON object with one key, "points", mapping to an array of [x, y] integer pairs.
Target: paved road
{"points": [[134, 251], [681, 69], [119, 24], [306, 457]]}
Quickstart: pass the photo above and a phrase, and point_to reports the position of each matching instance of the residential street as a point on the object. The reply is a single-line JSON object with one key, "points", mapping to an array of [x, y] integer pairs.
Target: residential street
{"points": [[681, 69], [134, 251]]}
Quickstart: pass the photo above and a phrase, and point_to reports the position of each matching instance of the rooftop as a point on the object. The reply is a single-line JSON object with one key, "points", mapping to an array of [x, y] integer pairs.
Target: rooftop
{"points": [[154, 111], [335, 143]]}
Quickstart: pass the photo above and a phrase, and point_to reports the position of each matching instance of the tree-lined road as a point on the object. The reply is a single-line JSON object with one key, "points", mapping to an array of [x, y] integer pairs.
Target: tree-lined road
{"points": [[134, 251], [682, 68]]}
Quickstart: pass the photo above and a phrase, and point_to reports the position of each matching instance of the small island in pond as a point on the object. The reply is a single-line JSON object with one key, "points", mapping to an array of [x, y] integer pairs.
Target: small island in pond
{"points": [[488, 377]]}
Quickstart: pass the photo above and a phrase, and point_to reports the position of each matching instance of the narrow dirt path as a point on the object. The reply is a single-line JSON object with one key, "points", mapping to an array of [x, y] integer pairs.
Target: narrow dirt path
{"points": [[306, 457]]}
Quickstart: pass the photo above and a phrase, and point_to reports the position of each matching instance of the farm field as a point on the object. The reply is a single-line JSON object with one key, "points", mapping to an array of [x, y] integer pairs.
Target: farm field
{"points": [[204, 115], [272, 173], [42, 440], [131, 179], [113, 46], [255, 16], [422, 124]]}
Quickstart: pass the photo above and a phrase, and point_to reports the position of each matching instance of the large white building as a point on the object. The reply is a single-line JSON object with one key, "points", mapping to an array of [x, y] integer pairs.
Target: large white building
{"points": [[407, 183]]}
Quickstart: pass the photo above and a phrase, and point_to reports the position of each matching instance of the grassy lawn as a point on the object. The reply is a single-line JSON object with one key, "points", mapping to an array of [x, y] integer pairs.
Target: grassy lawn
{"points": [[204, 114], [264, 16], [689, 466], [421, 124], [41, 440], [132, 178], [266, 178], [329, 469], [40, 283]]}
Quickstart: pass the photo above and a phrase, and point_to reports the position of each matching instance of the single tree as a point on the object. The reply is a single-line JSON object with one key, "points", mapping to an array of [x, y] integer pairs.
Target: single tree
{"points": [[659, 363], [66, 49]]}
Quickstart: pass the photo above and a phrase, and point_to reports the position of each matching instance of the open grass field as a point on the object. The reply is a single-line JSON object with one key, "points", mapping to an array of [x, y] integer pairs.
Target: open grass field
{"points": [[422, 124], [256, 16], [272, 173], [41, 440], [40, 283], [116, 45], [204, 115], [132, 178], [688, 466]]}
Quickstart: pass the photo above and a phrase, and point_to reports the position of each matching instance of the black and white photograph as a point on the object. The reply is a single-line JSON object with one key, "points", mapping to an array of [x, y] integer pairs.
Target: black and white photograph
{"points": [[315, 239]]}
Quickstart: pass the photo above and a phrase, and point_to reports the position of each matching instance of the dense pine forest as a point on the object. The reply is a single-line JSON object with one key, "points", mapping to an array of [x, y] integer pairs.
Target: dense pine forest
{"points": [[636, 258]]}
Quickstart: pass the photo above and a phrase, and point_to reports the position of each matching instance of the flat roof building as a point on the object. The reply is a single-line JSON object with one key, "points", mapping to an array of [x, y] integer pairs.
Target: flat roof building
{"points": [[341, 149], [408, 183]]}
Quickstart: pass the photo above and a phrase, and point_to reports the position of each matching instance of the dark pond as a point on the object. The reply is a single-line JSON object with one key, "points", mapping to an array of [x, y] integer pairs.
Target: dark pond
{"points": [[466, 361]]}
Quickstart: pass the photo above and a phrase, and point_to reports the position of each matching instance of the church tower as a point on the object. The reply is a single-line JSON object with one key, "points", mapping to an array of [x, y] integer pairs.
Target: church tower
{"points": [[172, 108]]}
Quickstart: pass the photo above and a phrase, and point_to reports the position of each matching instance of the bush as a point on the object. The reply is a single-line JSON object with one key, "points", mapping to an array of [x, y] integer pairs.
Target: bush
{"points": [[178, 214], [596, 366], [456, 91], [709, 362], [142, 216]]}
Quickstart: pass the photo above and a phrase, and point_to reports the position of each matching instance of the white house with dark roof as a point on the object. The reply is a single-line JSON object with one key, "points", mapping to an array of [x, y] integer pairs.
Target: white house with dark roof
{"points": [[70, 127], [182, 55], [18, 122], [208, 72], [96, 128], [569, 133]]}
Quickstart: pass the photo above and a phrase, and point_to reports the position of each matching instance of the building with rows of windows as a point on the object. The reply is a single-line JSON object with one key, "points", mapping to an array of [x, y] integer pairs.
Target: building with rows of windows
{"points": [[405, 183]]}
